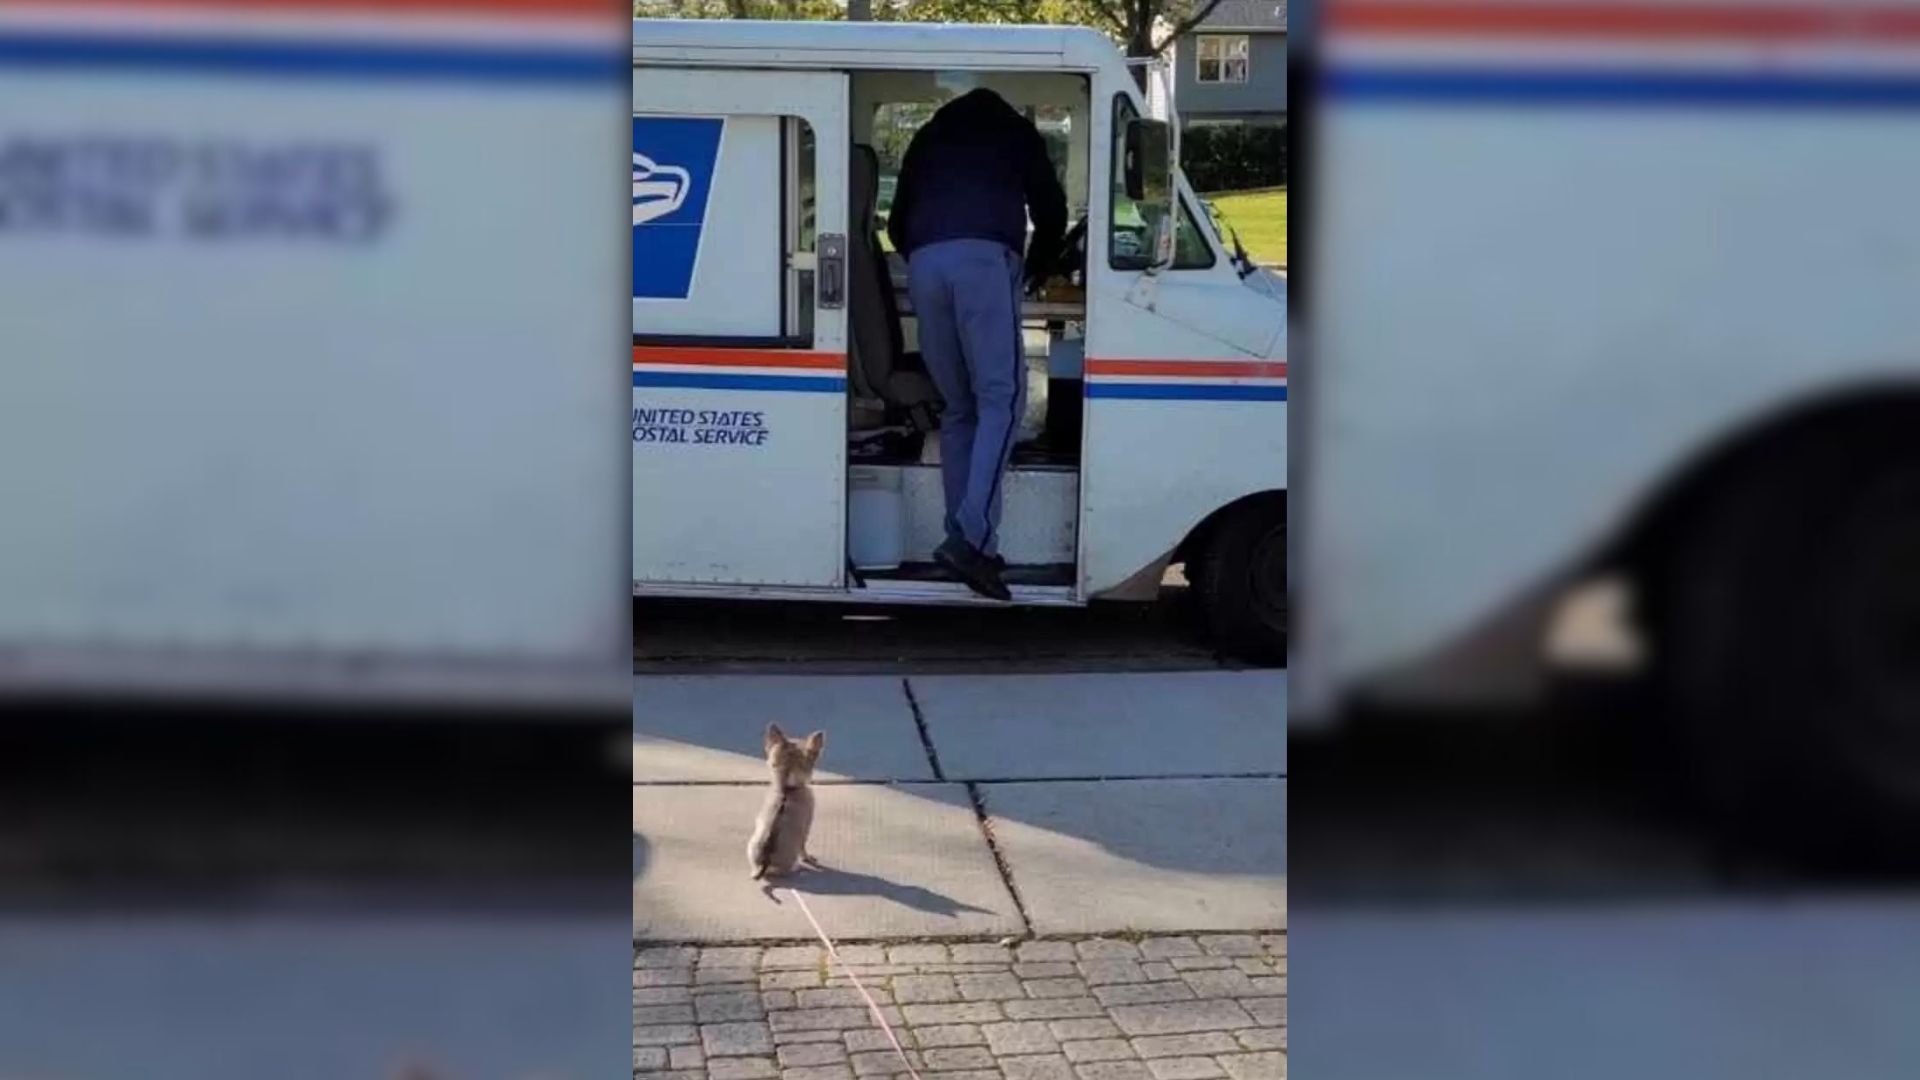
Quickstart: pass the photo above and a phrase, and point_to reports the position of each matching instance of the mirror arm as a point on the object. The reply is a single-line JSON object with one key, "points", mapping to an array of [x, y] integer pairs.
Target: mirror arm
{"points": [[1145, 290], [1166, 252]]}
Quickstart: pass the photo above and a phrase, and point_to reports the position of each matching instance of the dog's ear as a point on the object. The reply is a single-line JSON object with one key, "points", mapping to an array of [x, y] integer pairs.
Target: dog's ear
{"points": [[774, 737], [815, 743]]}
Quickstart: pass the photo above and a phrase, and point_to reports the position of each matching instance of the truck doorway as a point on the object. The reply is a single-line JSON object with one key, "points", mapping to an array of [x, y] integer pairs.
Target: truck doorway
{"points": [[896, 506]]}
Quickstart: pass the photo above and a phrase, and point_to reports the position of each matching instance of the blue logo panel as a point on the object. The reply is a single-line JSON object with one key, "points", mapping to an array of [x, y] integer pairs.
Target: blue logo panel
{"points": [[673, 166]]}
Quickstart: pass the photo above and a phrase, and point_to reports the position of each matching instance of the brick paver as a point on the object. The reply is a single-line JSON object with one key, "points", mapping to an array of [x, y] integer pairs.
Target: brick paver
{"points": [[1167, 1007]]}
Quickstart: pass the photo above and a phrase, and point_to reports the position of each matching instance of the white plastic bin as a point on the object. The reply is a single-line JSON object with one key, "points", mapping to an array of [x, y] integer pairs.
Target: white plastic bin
{"points": [[876, 518]]}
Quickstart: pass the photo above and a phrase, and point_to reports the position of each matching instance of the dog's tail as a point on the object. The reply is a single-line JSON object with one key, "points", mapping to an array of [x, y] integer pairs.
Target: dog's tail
{"points": [[763, 851]]}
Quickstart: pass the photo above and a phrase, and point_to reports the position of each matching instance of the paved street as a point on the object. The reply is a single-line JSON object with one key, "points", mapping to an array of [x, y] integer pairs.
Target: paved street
{"points": [[1176, 1007], [679, 637]]}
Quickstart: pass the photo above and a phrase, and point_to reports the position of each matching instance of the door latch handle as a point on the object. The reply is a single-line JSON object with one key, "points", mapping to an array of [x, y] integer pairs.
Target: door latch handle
{"points": [[831, 271]]}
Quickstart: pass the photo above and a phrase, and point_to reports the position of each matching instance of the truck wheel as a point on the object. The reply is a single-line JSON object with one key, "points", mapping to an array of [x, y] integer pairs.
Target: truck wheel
{"points": [[1239, 580], [1788, 647]]}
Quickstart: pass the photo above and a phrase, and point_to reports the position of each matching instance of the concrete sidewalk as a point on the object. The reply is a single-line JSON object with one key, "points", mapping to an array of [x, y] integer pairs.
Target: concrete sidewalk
{"points": [[969, 806]]}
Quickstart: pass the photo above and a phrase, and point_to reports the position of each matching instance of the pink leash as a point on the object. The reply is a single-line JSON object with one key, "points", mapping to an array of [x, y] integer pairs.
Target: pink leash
{"points": [[872, 1005]]}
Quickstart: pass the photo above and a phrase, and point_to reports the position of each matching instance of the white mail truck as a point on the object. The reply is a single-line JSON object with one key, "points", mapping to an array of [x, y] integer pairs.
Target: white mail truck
{"points": [[1624, 293], [783, 423], [309, 391]]}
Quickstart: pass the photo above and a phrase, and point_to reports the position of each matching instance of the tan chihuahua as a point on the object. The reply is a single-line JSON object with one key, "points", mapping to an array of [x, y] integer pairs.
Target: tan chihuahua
{"points": [[779, 843]]}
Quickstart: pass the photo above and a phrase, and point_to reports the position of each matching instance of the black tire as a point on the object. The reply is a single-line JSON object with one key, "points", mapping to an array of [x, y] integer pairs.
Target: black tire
{"points": [[1238, 579], [1787, 649]]}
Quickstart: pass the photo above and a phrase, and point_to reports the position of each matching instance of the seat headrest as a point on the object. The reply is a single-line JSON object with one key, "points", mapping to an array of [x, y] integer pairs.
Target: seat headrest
{"points": [[863, 177], [863, 188]]}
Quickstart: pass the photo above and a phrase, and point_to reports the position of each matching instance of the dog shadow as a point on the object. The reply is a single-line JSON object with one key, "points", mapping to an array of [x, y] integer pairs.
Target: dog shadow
{"points": [[829, 881]]}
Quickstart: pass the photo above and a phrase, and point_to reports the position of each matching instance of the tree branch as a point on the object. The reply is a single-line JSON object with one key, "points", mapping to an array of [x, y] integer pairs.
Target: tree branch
{"points": [[1114, 12], [1181, 29]]}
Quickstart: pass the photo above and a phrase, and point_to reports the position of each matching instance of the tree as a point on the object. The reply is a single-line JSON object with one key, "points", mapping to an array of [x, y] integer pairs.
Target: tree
{"points": [[1134, 22], [985, 11], [737, 9], [1144, 27]]}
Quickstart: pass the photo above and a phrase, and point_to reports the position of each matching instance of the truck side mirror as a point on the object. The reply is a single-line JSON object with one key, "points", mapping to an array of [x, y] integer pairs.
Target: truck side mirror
{"points": [[1148, 168]]}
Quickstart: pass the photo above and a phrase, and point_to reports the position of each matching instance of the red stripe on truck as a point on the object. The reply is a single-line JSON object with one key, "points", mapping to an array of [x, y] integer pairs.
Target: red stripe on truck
{"points": [[645, 355], [1728, 23]]}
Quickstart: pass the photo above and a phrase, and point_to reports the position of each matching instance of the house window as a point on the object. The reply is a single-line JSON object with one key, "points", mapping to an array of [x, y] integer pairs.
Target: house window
{"points": [[1223, 58]]}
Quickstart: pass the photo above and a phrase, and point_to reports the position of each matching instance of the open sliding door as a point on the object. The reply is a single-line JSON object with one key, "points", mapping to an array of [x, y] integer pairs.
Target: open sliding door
{"points": [[739, 328]]}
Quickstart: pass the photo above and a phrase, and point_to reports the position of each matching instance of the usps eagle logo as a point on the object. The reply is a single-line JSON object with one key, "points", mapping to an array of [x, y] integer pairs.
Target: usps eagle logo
{"points": [[674, 164], [658, 190]]}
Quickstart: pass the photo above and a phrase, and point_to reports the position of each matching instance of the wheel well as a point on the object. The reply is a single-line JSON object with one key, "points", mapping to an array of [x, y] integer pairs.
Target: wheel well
{"points": [[1198, 534], [1777, 442]]}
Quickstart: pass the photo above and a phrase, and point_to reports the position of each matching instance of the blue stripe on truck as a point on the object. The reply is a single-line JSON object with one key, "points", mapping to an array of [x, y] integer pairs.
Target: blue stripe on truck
{"points": [[1185, 392]]}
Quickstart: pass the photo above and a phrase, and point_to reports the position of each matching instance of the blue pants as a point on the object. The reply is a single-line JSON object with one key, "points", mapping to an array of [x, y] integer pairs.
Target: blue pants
{"points": [[966, 294]]}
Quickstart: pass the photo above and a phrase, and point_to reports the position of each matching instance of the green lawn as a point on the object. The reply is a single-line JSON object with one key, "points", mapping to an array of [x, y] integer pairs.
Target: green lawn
{"points": [[1260, 217]]}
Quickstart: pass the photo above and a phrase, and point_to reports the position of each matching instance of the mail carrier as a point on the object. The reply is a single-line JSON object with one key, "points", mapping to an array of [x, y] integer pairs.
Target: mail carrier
{"points": [[782, 417]]}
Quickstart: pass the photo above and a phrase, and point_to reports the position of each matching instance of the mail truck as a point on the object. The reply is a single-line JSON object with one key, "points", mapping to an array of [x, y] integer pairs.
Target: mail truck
{"points": [[783, 422]]}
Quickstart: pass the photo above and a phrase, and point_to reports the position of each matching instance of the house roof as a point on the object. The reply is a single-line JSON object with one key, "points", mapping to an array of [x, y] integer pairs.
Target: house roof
{"points": [[1247, 15]]}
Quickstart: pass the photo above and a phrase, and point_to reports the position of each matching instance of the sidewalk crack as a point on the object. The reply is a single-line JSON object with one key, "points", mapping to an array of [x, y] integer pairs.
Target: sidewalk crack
{"points": [[926, 736], [999, 859]]}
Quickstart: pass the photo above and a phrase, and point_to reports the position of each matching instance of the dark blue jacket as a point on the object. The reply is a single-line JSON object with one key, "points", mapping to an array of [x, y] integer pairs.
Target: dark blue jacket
{"points": [[976, 171]]}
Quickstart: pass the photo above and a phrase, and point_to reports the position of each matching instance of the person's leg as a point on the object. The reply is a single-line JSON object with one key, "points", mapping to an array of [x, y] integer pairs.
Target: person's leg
{"points": [[930, 284], [1015, 282], [987, 307]]}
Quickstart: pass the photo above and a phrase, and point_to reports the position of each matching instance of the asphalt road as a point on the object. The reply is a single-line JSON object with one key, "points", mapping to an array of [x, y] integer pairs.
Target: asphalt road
{"points": [[684, 637]]}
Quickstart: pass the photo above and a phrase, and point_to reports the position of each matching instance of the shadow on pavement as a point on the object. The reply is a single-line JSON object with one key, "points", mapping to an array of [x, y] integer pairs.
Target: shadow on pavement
{"points": [[826, 881]]}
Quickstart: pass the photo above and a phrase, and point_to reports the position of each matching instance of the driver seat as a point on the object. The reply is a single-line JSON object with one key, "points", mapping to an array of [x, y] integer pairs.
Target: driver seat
{"points": [[879, 367]]}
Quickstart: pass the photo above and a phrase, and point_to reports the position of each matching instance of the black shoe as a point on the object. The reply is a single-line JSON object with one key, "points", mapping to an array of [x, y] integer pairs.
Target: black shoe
{"points": [[980, 573]]}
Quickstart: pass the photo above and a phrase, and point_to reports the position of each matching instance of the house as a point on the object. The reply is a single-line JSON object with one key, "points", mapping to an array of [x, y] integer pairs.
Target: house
{"points": [[1232, 67]]}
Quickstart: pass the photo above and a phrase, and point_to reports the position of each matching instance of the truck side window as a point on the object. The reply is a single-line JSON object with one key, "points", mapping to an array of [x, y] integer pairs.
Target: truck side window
{"points": [[894, 125], [1131, 226], [896, 122], [798, 152]]}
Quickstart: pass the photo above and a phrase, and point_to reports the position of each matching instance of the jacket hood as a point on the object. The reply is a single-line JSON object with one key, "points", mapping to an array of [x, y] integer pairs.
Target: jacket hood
{"points": [[976, 104]]}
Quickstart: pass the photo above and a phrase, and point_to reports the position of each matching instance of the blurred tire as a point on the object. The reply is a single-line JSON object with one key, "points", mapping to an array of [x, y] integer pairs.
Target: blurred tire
{"points": [[1239, 582], [1788, 651]]}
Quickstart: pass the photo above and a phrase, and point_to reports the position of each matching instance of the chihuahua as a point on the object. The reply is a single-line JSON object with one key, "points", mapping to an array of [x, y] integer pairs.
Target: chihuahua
{"points": [[779, 843]]}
